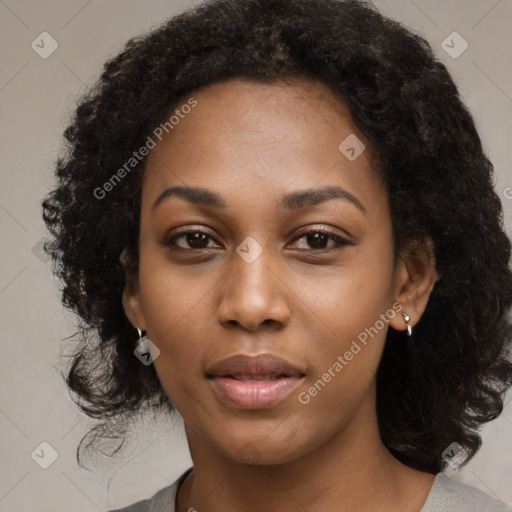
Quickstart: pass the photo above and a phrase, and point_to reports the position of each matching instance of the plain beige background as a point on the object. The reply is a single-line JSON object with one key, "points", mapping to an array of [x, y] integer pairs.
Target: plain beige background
{"points": [[36, 98]]}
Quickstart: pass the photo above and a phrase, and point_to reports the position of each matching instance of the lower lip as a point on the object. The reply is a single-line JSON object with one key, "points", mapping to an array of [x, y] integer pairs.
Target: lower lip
{"points": [[260, 394]]}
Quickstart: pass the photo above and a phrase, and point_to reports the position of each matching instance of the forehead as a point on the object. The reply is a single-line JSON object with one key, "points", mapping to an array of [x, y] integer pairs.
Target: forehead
{"points": [[254, 141]]}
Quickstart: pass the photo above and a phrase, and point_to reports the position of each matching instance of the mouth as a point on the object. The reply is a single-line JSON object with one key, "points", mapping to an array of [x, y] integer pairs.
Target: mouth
{"points": [[255, 378], [246, 382]]}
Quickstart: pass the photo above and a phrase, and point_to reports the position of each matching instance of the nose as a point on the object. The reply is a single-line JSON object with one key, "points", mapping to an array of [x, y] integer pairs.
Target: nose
{"points": [[253, 296]]}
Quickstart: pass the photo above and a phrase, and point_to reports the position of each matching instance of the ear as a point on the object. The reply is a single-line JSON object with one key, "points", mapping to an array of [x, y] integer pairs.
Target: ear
{"points": [[415, 278], [131, 294]]}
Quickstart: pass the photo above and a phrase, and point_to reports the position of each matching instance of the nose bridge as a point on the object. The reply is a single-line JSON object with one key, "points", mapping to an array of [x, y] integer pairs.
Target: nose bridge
{"points": [[252, 293], [252, 270]]}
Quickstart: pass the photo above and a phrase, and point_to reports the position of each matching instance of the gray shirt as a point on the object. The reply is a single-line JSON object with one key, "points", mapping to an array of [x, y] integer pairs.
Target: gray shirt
{"points": [[446, 495]]}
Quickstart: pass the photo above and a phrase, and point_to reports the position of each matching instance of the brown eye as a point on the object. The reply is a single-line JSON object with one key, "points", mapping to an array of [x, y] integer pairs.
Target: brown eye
{"points": [[319, 239], [191, 240]]}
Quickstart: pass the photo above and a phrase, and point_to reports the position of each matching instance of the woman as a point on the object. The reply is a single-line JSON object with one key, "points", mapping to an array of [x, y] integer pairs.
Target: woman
{"points": [[290, 200]]}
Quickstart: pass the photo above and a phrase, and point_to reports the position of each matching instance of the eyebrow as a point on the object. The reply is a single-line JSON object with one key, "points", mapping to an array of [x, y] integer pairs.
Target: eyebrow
{"points": [[292, 201]]}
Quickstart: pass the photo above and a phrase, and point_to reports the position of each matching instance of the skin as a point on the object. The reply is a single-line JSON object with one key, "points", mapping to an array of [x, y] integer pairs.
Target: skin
{"points": [[251, 143]]}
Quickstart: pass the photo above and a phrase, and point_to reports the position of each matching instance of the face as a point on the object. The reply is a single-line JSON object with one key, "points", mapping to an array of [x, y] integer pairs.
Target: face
{"points": [[285, 249]]}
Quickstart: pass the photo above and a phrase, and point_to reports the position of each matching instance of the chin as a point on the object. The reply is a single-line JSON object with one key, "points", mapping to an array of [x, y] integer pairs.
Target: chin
{"points": [[260, 450]]}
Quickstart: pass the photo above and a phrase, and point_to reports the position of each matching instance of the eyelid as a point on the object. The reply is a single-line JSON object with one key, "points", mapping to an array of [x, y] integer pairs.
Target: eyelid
{"points": [[339, 241], [331, 231]]}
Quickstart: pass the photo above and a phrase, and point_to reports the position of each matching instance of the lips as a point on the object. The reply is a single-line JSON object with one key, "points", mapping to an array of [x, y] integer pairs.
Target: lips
{"points": [[259, 382], [264, 365], [255, 377]]}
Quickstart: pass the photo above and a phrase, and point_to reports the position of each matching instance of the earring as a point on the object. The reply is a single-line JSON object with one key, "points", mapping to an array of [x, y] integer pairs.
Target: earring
{"points": [[143, 339], [145, 351], [409, 328]]}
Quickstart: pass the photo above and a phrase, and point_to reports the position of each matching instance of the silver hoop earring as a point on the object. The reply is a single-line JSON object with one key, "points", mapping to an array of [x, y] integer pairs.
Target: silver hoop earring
{"points": [[409, 327]]}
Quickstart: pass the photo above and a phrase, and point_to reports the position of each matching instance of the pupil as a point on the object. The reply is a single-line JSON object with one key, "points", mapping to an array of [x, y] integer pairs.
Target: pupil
{"points": [[196, 239], [315, 238]]}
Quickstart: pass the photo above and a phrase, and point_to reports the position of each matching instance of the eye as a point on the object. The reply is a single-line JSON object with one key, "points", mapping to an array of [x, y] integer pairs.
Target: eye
{"points": [[191, 240], [319, 239]]}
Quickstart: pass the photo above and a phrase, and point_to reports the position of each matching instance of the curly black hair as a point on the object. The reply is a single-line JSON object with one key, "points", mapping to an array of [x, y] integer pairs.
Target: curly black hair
{"points": [[437, 390]]}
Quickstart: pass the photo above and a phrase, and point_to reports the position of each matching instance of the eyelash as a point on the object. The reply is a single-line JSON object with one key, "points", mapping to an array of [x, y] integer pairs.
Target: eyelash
{"points": [[340, 242]]}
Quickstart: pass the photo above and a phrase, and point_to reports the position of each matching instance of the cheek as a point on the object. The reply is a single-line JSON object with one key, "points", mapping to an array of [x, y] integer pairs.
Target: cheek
{"points": [[176, 323], [171, 295], [174, 307], [354, 312], [352, 296]]}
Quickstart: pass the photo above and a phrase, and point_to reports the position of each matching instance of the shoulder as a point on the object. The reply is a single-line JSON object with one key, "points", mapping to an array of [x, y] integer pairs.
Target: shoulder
{"points": [[450, 495], [164, 499]]}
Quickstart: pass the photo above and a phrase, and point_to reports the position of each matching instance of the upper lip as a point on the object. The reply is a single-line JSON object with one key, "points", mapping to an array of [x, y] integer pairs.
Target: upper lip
{"points": [[263, 364]]}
